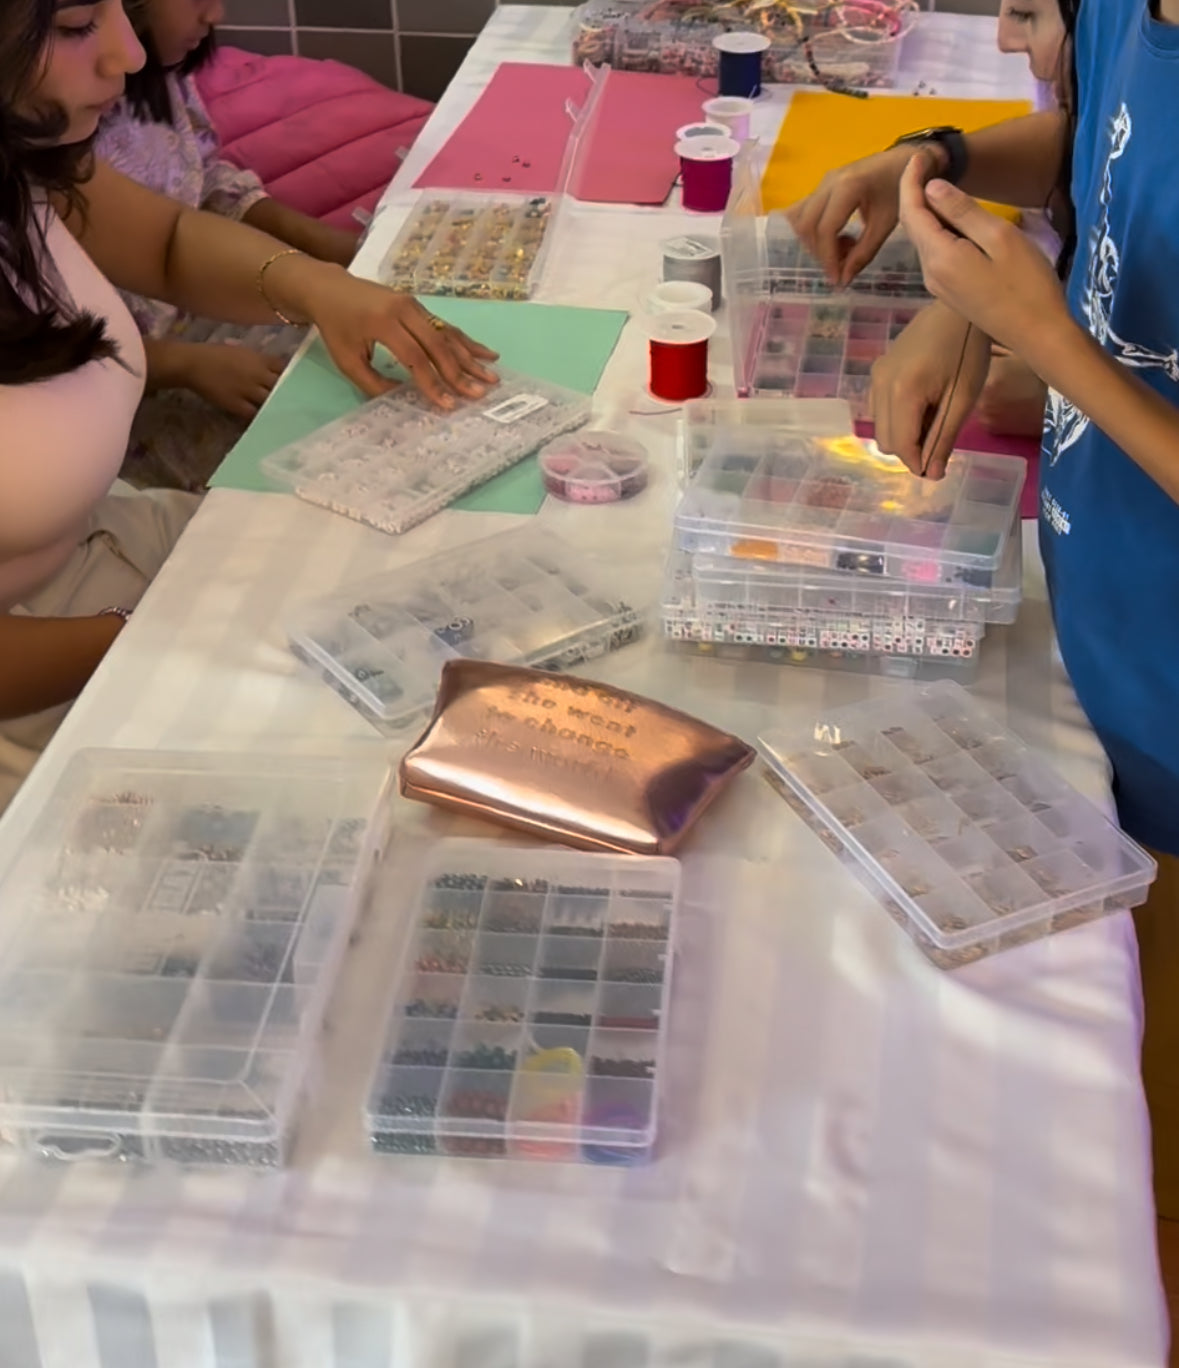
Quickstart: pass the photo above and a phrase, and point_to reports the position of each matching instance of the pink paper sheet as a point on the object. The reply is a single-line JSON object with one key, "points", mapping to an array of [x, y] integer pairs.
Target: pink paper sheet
{"points": [[975, 437], [513, 141]]}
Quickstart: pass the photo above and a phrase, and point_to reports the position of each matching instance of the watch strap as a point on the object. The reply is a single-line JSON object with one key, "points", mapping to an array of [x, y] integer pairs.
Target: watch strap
{"points": [[951, 140]]}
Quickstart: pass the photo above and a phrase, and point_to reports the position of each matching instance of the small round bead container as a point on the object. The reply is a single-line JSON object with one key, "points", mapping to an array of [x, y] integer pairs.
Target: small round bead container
{"points": [[541, 1033], [592, 467]]}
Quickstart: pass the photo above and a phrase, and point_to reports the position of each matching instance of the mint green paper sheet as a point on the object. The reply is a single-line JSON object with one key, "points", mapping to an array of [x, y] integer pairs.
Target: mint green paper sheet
{"points": [[563, 345]]}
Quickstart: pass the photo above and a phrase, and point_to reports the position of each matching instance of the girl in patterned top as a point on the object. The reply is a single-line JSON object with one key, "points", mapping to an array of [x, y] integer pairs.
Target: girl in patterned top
{"points": [[204, 383]]}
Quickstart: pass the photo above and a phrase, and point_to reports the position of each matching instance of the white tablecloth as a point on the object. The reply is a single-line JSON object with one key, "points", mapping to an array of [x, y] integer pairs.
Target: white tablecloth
{"points": [[866, 1163]]}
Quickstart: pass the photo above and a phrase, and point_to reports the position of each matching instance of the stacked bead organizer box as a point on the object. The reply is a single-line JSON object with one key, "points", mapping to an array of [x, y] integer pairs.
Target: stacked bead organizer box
{"points": [[522, 597], [855, 44], [183, 917], [969, 839], [813, 548], [529, 1015]]}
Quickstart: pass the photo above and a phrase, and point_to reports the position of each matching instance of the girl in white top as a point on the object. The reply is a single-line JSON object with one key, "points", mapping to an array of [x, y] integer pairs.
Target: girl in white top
{"points": [[72, 363]]}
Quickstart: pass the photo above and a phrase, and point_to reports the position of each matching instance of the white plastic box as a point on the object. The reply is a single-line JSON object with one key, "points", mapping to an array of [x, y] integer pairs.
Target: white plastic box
{"points": [[522, 597], [397, 460], [529, 1016], [172, 931], [971, 841]]}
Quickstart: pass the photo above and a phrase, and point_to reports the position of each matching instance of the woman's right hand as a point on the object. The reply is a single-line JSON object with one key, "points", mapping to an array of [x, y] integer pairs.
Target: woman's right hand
{"points": [[870, 188], [924, 387]]}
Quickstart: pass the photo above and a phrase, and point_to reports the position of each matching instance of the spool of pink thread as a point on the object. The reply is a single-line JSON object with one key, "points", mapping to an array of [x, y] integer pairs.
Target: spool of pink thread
{"points": [[706, 165]]}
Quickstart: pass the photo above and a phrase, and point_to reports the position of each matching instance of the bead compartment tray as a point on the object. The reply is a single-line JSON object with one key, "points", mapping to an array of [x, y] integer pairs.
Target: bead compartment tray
{"points": [[530, 1012], [635, 35], [473, 246], [184, 917], [838, 504], [397, 460], [893, 273], [521, 597], [971, 841], [898, 643]]}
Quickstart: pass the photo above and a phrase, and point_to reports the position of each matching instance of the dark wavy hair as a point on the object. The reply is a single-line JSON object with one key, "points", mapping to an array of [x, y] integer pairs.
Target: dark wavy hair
{"points": [[147, 88], [1060, 205], [41, 333]]}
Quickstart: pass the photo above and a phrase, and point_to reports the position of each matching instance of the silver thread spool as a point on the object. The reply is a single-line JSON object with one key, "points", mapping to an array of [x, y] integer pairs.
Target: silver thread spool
{"points": [[695, 258]]}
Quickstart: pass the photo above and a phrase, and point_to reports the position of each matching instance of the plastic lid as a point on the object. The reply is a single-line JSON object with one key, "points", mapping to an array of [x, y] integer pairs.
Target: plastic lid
{"points": [[683, 327], [722, 148], [676, 295], [741, 42], [594, 467]]}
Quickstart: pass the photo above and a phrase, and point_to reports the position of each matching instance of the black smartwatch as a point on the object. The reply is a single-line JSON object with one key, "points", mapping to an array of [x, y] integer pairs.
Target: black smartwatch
{"points": [[951, 140]]}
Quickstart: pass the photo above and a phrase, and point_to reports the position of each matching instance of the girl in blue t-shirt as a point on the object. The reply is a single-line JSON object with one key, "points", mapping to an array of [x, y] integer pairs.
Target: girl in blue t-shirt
{"points": [[1107, 347]]}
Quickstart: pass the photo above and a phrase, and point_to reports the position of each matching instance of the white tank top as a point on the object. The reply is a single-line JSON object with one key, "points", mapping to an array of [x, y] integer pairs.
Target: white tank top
{"points": [[62, 441]]}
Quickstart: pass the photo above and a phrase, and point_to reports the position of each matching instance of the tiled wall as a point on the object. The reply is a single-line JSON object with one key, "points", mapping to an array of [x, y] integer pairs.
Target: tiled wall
{"points": [[414, 45]]}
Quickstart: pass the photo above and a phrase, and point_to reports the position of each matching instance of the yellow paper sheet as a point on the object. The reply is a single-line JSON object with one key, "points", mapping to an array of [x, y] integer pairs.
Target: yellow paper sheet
{"points": [[822, 131]]}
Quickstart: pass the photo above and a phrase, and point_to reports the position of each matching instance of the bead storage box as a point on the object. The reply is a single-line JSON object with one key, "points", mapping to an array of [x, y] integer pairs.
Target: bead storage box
{"points": [[971, 841], [857, 45], [181, 920], [530, 1014], [839, 504], [522, 597], [860, 625], [472, 246], [792, 333], [397, 460], [705, 422]]}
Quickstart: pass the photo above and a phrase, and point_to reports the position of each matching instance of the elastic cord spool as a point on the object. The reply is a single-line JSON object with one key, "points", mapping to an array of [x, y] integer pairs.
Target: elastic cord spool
{"points": [[679, 355], [706, 165], [740, 63], [674, 295], [593, 467], [733, 112], [694, 258]]}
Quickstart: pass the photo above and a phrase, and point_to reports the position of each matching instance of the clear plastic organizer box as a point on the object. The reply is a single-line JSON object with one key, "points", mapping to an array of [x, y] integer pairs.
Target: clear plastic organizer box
{"points": [[704, 423], [521, 597], [885, 642], [529, 1018], [174, 926], [793, 334], [642, 35], [972, 842], [839, 504], [725, 587], [397, 460], [472, 246]]}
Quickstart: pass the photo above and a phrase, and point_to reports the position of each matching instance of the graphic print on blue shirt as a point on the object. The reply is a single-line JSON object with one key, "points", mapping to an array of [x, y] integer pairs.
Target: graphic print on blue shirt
{"points": [[1108, 534]]}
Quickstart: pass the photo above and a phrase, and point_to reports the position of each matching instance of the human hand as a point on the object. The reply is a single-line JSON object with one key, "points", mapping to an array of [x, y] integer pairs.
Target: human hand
{"points": [[235, 379], [869, 187], [354, 315], [1013, 398], [924, 387], [984, 268]]}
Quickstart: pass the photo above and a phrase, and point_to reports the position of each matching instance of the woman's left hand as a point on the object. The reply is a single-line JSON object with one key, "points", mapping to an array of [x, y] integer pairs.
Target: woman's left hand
{"points": [[984, 268], [354, 315]]}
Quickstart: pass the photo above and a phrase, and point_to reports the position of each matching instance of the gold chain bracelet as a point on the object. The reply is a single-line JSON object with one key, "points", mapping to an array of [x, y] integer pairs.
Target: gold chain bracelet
{"points": [[270, 304]]}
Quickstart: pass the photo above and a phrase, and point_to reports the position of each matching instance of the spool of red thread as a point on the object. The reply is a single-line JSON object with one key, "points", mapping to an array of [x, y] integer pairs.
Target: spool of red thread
{"points": [[706, 165], [679, 354]]}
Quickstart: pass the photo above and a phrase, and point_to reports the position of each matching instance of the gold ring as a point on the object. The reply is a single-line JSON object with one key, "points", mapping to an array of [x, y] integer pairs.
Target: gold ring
{"points": [[436, 322]]}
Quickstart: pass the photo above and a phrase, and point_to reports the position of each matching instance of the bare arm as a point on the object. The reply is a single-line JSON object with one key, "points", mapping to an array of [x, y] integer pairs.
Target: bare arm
{"points": [[209, 265], [1015, 163], [298, 230], [48, 661]]}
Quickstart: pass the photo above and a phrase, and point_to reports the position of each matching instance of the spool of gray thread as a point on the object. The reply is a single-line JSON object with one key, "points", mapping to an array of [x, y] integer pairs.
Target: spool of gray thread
{"points": [[697, 258]]}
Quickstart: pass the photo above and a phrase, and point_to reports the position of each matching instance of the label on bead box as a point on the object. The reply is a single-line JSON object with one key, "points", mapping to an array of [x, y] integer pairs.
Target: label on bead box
{"points": [[519, 406]]}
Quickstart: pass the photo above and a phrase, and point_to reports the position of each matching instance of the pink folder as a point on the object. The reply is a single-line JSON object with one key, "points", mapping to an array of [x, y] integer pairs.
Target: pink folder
{"points": [[514, 140]]}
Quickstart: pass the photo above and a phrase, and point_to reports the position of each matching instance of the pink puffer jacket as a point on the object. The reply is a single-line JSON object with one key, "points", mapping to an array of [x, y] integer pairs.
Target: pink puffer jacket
{"points": [[323, 137]]}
